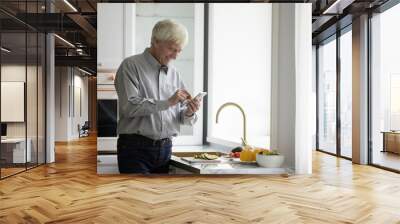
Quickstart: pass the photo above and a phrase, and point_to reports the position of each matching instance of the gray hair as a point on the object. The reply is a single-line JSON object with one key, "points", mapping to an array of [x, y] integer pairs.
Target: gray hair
{"points": [[169, 30]]}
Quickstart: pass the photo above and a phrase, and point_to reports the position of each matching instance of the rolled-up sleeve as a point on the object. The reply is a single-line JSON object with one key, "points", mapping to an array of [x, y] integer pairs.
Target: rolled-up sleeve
{"points": [[186, 120], [131, 102]]}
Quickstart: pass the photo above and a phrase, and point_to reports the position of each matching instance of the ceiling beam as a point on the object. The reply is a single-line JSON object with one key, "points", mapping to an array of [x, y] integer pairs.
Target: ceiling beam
{"points": [[319, 23], [82, 61], [337, 7], [84, 24]]}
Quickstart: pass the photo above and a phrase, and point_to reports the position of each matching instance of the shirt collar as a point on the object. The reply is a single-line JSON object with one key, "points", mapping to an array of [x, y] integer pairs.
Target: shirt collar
{"points": [[153, 61]]}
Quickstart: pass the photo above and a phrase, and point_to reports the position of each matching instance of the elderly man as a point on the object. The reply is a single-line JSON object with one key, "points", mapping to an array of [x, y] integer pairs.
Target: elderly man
{"points": [[151, 95]]}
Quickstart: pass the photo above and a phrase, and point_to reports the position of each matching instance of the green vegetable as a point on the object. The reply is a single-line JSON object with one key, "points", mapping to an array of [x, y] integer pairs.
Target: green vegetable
{"points": [[269, 153], [237, 149]]}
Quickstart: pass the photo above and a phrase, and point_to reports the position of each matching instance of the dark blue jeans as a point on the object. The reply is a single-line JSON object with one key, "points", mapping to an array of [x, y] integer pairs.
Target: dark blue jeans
{"points": [[138, 154]]}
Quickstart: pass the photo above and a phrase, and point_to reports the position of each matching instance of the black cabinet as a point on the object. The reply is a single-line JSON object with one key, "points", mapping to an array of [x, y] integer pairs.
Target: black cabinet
{"points": [[107, 118]]}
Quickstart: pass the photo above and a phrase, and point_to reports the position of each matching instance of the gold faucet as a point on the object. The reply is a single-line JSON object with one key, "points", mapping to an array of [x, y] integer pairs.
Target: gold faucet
{"points": [[244, 139]]}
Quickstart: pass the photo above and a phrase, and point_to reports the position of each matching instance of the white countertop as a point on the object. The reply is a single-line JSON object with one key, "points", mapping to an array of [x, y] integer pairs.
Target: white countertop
{"points": [[224, 167]]}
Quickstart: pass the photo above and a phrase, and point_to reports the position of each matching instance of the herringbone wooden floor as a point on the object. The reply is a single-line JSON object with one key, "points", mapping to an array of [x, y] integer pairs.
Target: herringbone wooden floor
{"points": [[70, 191]]}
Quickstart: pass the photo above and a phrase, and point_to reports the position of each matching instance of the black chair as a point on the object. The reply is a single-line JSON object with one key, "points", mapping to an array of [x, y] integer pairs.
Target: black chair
{"points": [[84, 130]]}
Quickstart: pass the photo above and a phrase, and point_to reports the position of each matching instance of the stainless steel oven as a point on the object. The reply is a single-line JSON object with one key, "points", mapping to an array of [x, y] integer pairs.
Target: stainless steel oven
{"points": [[107, 115]]}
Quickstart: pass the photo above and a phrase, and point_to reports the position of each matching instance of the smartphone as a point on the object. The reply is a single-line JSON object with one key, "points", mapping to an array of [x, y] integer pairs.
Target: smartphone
{"points": [[199, 97]]}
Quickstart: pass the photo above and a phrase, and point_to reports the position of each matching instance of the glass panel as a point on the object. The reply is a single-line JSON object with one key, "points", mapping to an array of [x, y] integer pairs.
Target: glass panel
{"points": [[31, 97], [386, 89], [228, 69], [327, 97], [41, 97], [346, 94], [13, 86], [22, 82], [394, 102], [31, 86]]}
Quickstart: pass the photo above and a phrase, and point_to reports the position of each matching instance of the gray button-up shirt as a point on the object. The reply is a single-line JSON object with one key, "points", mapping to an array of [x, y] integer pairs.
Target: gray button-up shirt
{"points": [[143, 90]]}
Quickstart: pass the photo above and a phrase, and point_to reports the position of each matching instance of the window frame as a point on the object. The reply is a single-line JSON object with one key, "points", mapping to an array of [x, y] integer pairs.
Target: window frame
{"points": [[334, 37]]}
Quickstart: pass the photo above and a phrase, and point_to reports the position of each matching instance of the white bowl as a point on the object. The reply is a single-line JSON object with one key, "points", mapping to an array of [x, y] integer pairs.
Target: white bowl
{"points": [[270, 161]]}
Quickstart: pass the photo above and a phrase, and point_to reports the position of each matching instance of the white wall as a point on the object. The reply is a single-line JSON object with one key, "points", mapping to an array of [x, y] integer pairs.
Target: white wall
{"points": [[32, 127], [305, 105], [80, 102], [291, 116], [14, 73], [50, 95], [115, 34], [17, 73], [68, 82], [314, 96], [61, 103]]}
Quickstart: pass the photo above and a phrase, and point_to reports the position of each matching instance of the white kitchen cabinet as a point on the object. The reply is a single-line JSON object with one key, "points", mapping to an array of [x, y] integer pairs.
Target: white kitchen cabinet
{"points": [[115, 29], [107, 144], [107, 164], [16, 148]]}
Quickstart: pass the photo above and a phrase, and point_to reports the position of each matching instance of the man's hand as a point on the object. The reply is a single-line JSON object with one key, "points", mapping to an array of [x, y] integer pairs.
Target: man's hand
{"points": [[192, 107], [179, 96]]}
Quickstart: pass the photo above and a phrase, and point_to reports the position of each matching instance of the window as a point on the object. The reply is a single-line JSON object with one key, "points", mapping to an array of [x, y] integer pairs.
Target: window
{"points": [[385, 88], [346, 94], [239, 72], [327, 96], [394, 102]]}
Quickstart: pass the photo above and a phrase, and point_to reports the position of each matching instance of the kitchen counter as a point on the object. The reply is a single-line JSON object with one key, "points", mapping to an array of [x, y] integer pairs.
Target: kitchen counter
{"points": [[226, 166], [107, 163]]}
